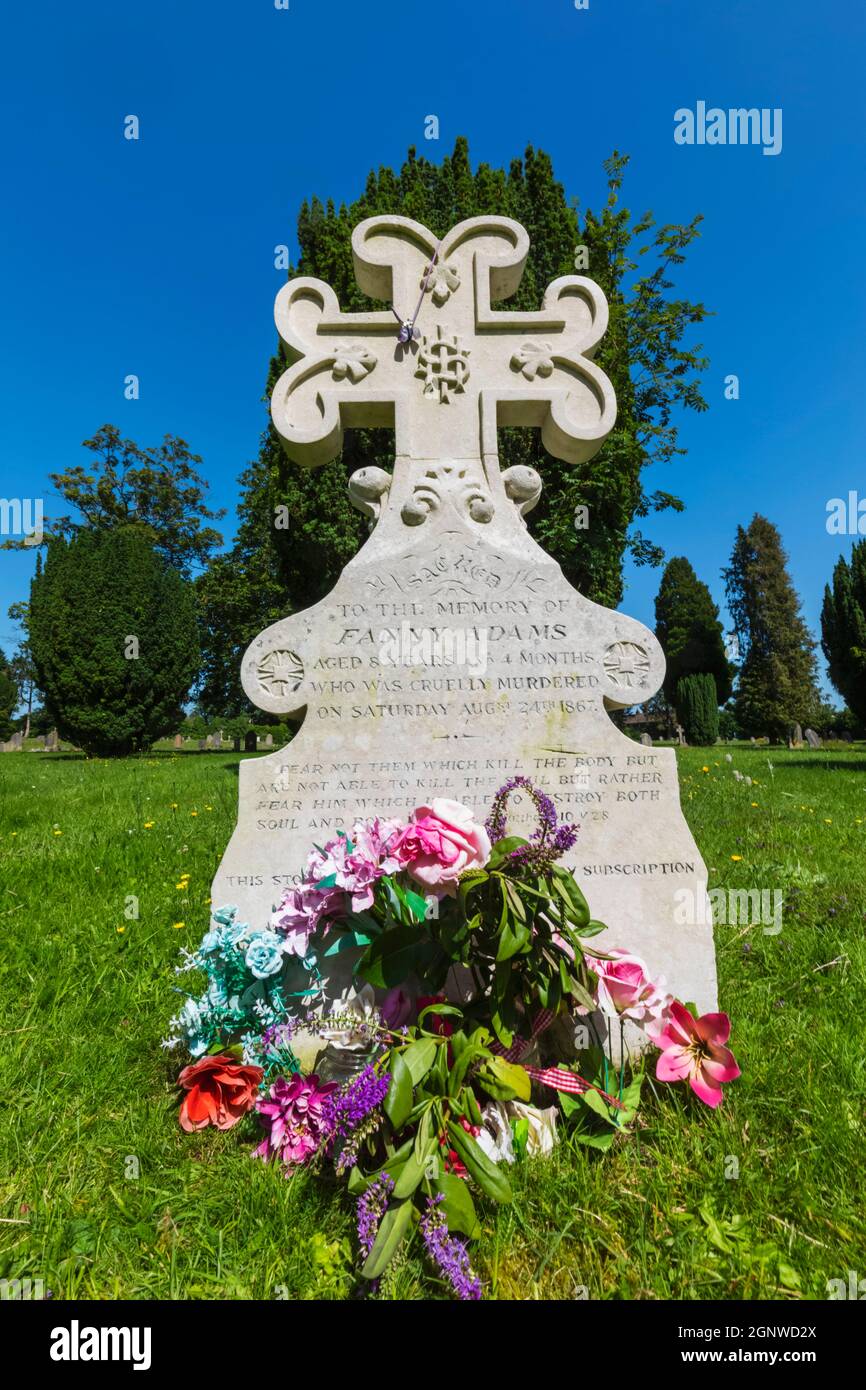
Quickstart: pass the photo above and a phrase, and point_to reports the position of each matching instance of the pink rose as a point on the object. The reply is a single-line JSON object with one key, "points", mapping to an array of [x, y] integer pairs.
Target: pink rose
{"points": [[440, 843], [626, 984]]}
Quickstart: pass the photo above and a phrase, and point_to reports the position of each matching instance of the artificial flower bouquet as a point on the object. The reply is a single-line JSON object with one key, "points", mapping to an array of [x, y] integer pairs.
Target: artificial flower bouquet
{"points": [[475, 989]]}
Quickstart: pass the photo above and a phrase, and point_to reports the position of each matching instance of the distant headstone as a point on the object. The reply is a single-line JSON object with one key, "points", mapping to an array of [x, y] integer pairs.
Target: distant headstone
{"points": [[797, 735], [218, 740], [52, 742], [208, 743], [387, 727], [178, 740], [15, 743], [681, 736], [646, 740], [202, 745], [813, 740], [269, 741], [251, 741], [236, 743]]}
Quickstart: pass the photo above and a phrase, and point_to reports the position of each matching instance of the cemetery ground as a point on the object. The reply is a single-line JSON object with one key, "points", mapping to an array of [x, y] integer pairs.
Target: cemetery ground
{"points": [[103, 1196]]}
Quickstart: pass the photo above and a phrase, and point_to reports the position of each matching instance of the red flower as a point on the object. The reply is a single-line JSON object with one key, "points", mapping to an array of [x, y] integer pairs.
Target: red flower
{"points": [[219, 1092]]}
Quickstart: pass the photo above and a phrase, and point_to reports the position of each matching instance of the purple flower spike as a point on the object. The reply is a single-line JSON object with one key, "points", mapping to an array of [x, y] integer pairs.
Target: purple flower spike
{"points": [[547, 843], [447, 1252]]}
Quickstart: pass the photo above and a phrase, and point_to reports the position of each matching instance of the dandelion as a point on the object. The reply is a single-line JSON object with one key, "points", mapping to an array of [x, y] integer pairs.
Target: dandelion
{"points": [[57, 832], [149, 824], [828, 820], [754, 803], [193, 813], [173, 806], [179, 925], [705, 769], [120, 930], [736, 858]]}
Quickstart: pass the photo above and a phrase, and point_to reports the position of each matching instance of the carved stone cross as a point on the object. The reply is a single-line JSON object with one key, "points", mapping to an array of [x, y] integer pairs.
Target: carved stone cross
{"points": [[468, 369]]}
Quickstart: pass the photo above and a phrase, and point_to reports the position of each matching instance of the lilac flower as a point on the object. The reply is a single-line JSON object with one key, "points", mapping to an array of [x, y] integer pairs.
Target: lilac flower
{"points": [[547, 843], [447, 1252], [372, 1206], [348, 1114]]}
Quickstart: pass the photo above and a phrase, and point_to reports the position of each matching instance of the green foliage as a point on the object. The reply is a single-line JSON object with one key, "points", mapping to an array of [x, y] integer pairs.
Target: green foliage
{"points": [[157, 488], [697, 709], [688, 628], [776, 684], [843, 629], [98, 593], [8, 696]]}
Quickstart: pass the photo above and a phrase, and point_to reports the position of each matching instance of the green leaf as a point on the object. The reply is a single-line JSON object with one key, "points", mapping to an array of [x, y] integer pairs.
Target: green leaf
{"points": [[458, 1207], [413, 1171], [419, 1057], [398, 1101], [396, 954], [597, 1141], [488, 1175], [505, 1080], [502, 849], [392, 1230], [346, 941]]}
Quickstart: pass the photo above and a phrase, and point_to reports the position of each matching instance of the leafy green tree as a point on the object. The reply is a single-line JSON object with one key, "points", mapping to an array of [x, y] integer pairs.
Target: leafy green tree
{"points": [[698, 708], [776, 685], [114, 640], [8, 697], [238, 595], [654, 369], [158, 488], [843, 629], [688, 628]]}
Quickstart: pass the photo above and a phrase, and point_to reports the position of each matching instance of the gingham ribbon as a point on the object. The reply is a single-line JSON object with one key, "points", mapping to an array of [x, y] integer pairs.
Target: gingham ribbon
{"points": [[555, 1077], [559, 1080], [521, 1046]]}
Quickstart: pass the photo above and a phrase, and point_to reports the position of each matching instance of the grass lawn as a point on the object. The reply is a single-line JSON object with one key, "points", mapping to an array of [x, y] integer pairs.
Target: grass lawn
{"points": [[103, 1196]]}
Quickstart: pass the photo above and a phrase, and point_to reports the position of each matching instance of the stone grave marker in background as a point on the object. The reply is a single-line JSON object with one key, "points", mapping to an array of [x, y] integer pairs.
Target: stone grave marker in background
{"points": [[813, 740], [178, 740], [646, 740], [202, 745], [269, 741], [452, 654], [218, 739], [251, 741]]}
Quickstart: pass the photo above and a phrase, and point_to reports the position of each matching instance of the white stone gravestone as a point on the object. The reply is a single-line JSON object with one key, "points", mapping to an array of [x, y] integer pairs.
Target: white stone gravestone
{"points": [[452, 653]]}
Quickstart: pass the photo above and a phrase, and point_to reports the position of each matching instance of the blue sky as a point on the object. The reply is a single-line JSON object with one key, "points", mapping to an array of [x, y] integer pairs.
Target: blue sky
{"points": [[156, 257]]}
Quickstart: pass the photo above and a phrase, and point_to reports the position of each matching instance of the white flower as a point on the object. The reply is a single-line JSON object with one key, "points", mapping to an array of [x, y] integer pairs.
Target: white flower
{"points": [[542, 1126], [495, 1137]]}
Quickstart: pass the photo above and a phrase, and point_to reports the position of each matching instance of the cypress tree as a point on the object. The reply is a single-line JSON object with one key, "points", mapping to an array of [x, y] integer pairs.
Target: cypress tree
{"points": [[697, 708], [843, 629], [776, 685], [688, 628], [113, 638]]}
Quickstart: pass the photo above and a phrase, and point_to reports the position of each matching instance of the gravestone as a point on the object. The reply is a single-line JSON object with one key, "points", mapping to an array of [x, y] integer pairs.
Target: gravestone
{"points": [[236, 743], [208, 743], [52, 741], [797, 735], [269, 741], [452, 653], [251, 741], [178, 740], [218, 740], [646, 740], [15, 743], [202, 745], [813, 740]]}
